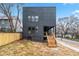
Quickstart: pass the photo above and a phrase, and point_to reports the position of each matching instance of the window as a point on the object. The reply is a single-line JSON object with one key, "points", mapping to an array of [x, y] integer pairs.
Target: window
{"points": [[29, 18], [33, 18], [29, 28], [36, 28], [32, 30], [36, 17], [3, 22], [4, 26]]}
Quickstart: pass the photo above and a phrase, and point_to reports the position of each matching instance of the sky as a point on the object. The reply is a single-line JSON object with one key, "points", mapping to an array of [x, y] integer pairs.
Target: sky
{"points": [[62, 9]]}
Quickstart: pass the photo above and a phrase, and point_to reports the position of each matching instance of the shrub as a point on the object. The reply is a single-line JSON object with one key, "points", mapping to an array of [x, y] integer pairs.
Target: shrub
{"points": [[77, 36]]}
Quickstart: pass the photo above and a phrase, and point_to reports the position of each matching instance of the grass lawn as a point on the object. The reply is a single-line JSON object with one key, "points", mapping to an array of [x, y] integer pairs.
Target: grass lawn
{"points": [[31, 48], [74, 40]]}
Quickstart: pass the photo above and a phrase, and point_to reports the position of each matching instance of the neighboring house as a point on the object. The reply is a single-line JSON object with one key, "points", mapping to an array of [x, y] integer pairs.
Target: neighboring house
{"points": [[37, 21], [5, 26]]}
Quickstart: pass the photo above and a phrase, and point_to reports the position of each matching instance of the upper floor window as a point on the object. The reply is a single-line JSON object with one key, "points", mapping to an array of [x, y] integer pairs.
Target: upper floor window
{"points": [[36, 17], [33, 18], [29, 18]]}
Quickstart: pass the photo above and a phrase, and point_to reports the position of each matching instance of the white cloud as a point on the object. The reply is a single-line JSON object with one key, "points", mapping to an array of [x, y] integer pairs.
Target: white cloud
{"points": [[75, 12], [68, 3]]}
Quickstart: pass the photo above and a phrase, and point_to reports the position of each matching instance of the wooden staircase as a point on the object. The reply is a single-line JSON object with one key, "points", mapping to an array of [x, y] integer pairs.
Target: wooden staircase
{"points": [[51, 40]]}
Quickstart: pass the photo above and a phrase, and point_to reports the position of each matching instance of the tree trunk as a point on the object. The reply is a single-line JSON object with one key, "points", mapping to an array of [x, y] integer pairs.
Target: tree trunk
{"points": [[17, 17], [11, 24], [72, 36]]}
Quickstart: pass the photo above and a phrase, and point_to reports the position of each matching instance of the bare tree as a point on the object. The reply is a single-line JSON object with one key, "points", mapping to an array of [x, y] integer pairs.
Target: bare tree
{"points": [[19, 9], [6, 9], [62, 25], [68, 25]]}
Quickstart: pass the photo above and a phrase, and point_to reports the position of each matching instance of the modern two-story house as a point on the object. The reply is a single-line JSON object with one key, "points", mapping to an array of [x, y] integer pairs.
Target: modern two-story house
{"points": [[37, 21]]}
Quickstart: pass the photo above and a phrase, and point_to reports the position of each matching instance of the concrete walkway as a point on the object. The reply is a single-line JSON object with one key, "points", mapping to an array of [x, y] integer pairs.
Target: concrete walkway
{"points": [[69, 43]]}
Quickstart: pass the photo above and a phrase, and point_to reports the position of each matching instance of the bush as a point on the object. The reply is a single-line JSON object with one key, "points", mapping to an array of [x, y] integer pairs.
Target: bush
{"points": [[67, 37], [77, 36]]}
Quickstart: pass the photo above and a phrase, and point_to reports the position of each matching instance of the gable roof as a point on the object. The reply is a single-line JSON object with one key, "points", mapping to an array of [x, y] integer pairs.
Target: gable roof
{"points": [[4, 17]]}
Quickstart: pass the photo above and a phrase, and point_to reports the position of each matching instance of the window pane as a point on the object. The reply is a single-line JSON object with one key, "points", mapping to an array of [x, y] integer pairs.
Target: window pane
{"points": [[33, 18], [36, 18], [29, 28], [29, 18]]}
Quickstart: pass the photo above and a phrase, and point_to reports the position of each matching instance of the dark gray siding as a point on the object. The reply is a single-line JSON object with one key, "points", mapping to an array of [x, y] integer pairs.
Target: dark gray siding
{"points": [[47, 17]]}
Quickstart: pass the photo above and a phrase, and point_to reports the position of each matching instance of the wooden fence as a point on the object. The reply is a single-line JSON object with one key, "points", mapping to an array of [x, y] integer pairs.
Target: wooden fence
{"points": [[6, 38]]}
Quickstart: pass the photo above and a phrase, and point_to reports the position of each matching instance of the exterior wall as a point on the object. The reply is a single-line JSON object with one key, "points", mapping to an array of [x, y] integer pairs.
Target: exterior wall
{"points": [[6, 38], [4, 23], [47, 17]]}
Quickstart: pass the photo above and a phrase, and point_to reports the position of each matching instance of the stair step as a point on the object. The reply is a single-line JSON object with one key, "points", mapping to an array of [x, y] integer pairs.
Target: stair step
{"points": [[51, 41]]}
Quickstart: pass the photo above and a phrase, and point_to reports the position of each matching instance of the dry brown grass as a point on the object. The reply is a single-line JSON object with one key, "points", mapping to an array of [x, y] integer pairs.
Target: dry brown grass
{"points": [[31, 48]]}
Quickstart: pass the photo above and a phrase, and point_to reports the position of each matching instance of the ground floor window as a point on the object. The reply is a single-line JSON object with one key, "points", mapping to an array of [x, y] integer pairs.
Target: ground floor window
{"points": [[32, 30]]}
